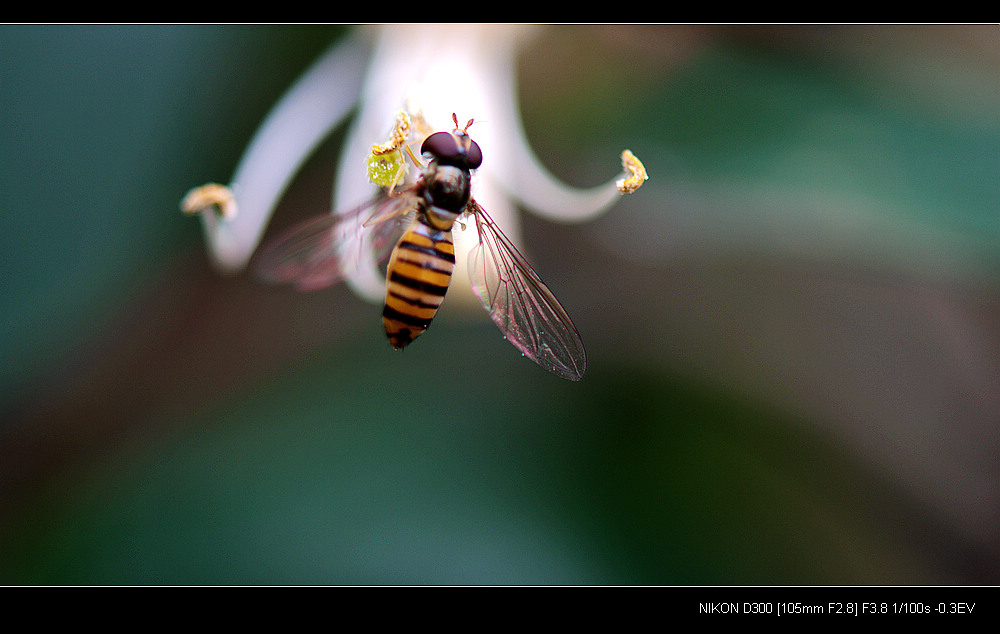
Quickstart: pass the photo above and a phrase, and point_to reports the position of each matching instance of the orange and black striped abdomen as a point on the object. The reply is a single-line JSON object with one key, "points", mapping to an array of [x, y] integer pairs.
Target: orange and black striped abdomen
{"points": [[417, 279]]}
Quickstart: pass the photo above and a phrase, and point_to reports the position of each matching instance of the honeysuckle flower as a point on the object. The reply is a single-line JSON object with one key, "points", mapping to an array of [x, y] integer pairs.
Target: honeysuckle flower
{"points": [[433, 70]]}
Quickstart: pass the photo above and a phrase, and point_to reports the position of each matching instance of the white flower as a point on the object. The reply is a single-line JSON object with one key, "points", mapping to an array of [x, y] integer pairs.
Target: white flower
{"points": [[438, 69]]}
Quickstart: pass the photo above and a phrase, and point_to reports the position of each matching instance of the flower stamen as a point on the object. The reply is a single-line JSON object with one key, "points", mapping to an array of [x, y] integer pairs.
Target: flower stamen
{"points": [[636, 172], [386, 163], [200, 199], [400, 133]]}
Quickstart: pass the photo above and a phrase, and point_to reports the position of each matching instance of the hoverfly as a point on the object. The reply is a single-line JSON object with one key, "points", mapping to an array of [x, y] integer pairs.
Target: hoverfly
{"points": [[416, 223]]}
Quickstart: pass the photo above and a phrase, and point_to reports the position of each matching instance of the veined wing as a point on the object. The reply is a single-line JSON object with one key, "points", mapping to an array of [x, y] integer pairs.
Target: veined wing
{"points": [[321, 251], [522, 307]]}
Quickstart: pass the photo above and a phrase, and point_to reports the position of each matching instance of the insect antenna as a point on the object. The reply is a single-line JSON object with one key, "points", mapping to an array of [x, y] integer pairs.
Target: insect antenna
{"points": [[465, 130]]}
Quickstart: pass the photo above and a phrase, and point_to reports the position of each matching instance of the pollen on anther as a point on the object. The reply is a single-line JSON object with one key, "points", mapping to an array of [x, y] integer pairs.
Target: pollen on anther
{"points": [[635, 171], [202, 198]]}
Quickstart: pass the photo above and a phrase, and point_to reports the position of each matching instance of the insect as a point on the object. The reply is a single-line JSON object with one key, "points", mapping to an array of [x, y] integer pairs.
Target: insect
{"points": [[415, 223]]}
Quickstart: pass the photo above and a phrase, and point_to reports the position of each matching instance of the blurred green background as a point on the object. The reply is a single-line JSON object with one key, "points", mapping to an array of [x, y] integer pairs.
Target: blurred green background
{"points": [[793, 329]]}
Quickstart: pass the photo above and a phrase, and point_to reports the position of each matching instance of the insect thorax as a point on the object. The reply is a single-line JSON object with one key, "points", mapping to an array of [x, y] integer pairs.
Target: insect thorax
{"points": [[448, 187]]}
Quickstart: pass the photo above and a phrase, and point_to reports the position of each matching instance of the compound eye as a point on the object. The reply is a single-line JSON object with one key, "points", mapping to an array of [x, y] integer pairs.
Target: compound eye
{"points": [[474, 156], [442, 146]]}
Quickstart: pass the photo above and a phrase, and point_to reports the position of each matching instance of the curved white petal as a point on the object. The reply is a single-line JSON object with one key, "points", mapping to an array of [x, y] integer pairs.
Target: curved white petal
{"points": [[306, 114], [525, 178]]}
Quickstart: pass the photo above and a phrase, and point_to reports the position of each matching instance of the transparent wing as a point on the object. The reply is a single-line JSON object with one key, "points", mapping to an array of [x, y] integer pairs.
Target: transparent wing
{"points": [[522, 307], [321, 251]]}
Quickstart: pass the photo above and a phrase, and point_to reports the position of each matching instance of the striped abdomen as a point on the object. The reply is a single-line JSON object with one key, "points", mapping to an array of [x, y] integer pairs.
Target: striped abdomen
{"points": [[416, 281]]}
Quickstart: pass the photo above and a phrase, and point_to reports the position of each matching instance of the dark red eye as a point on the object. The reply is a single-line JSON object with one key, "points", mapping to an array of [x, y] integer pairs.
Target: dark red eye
{"points": [[451, 150], [441, 145], [473, 156]]}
